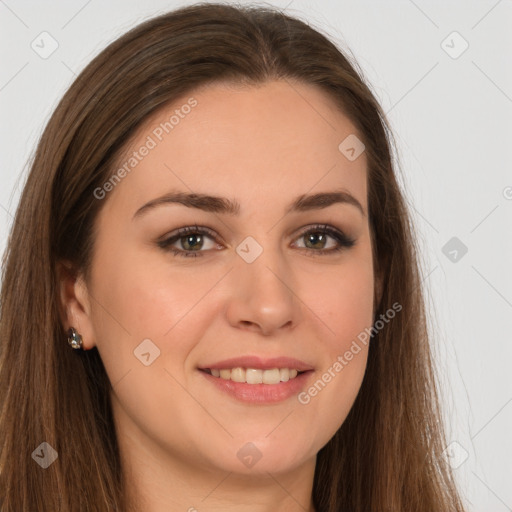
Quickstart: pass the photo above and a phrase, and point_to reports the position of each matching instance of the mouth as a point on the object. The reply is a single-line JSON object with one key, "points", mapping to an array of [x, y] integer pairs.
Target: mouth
{"points": [[257, 379], [254, 375], [257, 386]]}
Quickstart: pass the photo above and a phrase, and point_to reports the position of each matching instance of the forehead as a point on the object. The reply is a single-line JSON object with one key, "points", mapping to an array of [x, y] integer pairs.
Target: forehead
{"points": [[261, 144]]}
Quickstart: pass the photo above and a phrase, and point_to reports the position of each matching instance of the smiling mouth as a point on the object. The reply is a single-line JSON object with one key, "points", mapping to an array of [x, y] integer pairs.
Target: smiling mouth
{"points": [[254, 375]]}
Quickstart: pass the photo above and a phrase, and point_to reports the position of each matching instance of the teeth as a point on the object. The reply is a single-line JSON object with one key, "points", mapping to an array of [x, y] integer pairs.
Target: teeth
{"points": [[237, 375], [256, 376], [271, 376], [253, 376], [225, 374]]}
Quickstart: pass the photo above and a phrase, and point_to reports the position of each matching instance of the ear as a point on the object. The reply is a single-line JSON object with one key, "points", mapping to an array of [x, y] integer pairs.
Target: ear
{"points": [[74, 304]]}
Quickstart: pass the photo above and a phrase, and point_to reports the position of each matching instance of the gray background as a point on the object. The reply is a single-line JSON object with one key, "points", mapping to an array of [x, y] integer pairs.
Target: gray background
{"points": [[451, 113]]}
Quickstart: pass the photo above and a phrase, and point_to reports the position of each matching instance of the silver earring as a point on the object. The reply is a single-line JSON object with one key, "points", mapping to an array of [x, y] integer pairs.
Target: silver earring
{"points": [[74, 339]]}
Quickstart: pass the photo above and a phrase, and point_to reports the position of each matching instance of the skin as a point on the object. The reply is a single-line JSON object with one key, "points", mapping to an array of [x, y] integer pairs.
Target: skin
{"points": [[178, 434]]}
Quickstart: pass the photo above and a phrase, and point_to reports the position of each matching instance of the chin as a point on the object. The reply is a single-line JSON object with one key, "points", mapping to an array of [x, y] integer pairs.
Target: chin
{"points": [[261, 458]]}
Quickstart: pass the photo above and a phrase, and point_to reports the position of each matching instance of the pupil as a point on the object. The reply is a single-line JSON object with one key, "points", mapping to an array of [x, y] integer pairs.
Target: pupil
{"points": [[190, 238], [315, 236]]}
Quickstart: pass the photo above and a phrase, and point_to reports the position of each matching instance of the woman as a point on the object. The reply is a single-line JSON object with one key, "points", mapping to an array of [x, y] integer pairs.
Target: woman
{"points": [[213, 223]]}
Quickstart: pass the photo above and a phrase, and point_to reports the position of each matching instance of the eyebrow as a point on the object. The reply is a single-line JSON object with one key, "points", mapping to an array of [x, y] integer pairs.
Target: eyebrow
{"points": [[227, 206]]}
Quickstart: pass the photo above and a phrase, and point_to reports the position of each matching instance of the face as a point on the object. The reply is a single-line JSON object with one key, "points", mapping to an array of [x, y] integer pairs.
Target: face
{"points": [[270, 284]]}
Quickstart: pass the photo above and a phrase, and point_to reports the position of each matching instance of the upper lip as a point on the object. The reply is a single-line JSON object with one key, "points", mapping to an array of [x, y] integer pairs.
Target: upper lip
{"points": [[261, 363]]}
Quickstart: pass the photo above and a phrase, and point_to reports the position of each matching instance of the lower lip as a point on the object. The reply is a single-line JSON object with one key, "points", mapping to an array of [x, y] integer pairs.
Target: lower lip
{"points": [[260, 393]]}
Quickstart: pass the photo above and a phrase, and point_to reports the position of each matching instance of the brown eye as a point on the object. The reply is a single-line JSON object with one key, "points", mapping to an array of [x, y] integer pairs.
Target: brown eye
{"points": [[317, 238], [192, 240]]}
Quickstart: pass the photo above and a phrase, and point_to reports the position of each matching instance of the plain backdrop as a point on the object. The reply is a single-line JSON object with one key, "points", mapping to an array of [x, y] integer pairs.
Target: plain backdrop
{"points": [[442, 71]]}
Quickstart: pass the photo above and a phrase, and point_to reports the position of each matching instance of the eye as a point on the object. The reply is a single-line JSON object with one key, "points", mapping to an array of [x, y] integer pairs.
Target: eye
{"points": [[192, 239], [319, 234]]}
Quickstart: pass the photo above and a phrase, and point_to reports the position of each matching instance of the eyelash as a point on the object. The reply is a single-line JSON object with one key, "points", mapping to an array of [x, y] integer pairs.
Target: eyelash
{"points": [[344, 242]]}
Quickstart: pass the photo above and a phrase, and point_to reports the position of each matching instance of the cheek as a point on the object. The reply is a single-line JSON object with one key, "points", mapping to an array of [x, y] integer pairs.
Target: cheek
{"points": [[344, 301], [140, 307], [346, 309], [145, 296]]}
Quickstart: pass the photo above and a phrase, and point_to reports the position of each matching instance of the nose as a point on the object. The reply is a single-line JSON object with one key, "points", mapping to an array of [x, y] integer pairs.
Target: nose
{"points": [[261, 294]]}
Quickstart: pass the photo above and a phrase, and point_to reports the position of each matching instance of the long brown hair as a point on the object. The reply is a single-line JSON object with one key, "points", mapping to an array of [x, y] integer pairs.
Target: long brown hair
{"points": [[387, 455]]}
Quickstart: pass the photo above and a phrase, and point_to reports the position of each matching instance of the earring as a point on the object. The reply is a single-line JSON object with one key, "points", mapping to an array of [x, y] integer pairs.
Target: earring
{"points": [[74, 339]]}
